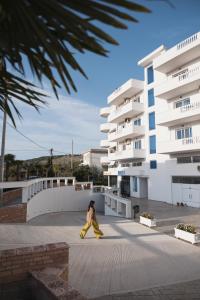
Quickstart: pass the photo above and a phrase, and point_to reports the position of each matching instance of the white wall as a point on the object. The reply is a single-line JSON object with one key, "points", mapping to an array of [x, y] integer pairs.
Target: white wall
{"points": [[63, 199]]}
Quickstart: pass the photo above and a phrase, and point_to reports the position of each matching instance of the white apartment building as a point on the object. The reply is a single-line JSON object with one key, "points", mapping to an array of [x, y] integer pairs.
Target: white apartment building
{"points": [[153, 127], [95, 157]]}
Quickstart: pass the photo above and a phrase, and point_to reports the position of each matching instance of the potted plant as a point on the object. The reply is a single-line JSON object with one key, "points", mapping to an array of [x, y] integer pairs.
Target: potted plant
{"points": [[187, 232], [147, 219]]}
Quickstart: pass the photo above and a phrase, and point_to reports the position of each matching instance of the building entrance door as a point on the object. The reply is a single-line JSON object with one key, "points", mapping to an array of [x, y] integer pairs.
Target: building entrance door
{"points": [[125, 186], [191, 197]]}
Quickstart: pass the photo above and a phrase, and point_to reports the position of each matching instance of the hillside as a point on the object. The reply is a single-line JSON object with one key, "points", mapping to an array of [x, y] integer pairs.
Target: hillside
{"points": [[57, 159]]}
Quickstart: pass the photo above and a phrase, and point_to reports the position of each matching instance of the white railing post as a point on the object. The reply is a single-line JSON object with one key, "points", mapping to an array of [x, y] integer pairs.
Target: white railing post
{"points": [[66, 181], [128, 209], [58, 182], [74, 180], [51, 183], [25, 194]]}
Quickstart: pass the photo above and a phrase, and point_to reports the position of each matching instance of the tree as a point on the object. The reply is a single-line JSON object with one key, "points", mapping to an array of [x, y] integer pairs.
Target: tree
{"points": [[9, 161], [18, 165], [43, 37]]}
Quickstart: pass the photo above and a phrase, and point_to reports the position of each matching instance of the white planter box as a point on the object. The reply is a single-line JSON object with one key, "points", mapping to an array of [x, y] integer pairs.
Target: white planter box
{"points": [[187, 236], [147, 222]]}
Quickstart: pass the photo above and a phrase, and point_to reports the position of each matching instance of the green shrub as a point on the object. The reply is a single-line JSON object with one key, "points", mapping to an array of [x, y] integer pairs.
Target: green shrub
{"points": [[187, 227], [147, 215]]}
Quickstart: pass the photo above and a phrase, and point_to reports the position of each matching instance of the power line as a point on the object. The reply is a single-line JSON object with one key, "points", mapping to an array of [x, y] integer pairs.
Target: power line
{"points": [[32, 141]]}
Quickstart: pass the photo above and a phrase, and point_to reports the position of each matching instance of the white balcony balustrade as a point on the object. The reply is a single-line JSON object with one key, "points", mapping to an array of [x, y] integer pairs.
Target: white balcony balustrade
{"points": [[178, 55], [129, 130], [107, 127], [191, 144], [104, 143], [117, 206], [175, 116], [127, 90], [128, 110], [179, 83], [105, 111], [129, 154]]}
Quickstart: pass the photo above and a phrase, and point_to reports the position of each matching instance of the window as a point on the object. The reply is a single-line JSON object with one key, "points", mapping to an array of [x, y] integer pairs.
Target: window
{"points": [[153, 164], [182, 103], [152, 124], [150, 75], [137, 122], [137, 164], [152, 144], [135, 185], [151, 101], [183, 133], [138, 144], [186, 180], [196, 159], [184, 160]]}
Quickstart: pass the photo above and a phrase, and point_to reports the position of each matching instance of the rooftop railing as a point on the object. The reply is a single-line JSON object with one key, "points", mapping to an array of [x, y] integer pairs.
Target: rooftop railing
{"points": [[187, 41]]}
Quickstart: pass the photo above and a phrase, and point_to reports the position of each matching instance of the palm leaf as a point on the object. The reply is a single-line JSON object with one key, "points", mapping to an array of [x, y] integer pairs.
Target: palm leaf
{"points": [[47, 33]]}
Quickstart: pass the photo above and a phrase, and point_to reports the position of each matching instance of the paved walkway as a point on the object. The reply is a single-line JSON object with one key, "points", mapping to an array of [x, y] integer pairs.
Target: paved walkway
{"points": [[180, 291], [168, 215], [130, 257]]}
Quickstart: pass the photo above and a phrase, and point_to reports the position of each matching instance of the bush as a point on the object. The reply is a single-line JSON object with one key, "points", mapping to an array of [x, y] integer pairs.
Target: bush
{"points": [[187, 227], [147, 215]]}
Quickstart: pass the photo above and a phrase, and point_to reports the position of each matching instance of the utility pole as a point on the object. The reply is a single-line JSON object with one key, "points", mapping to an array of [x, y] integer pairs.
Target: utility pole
{"points": [[3, 151], [51, 156], [72, 155]]}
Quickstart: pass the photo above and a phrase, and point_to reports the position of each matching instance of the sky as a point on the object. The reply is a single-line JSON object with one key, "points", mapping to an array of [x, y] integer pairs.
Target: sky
{"points": [[76, 116]]}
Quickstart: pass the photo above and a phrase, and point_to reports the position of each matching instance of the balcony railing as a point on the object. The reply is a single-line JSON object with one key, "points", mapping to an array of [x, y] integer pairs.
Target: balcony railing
{"points": [[188, 41], [174, 116], [128, 110], [179, 146], [128, 131]]}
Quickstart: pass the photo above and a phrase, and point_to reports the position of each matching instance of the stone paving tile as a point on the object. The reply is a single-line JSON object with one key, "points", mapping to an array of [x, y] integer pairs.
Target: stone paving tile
{"points": [[180, 291]]}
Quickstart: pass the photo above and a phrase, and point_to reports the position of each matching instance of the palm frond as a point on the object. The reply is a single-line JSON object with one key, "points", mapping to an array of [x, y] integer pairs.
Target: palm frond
{"points": [[46, 32]]}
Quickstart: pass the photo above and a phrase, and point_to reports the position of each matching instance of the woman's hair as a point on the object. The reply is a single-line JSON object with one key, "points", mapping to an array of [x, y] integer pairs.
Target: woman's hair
{"points": [[91, 204]]}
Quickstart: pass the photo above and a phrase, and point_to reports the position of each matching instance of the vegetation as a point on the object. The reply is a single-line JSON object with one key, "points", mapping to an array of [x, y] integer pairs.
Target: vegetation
{"points": [[187, 227], [94, 174], [59, 166], [147, 215], [42, 37]]}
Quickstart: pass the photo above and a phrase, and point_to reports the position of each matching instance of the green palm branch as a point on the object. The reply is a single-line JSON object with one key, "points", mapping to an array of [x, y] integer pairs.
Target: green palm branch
{"points": [[45, 35]]}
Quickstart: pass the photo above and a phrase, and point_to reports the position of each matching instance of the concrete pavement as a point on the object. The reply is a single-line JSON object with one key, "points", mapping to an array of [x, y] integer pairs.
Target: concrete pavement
{"points": [[130, 257]]}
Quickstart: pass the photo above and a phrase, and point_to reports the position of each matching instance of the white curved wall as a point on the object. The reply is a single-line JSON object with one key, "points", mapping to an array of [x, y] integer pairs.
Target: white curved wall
{"points": [[63, 199]]}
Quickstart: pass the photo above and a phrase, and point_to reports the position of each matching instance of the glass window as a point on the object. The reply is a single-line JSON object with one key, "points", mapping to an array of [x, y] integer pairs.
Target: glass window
{"points": [[183, 102], [152, 124], [138, 144], [137, 122], [186, 180], [184, 160], [150, 75], [196, 159], [135, 184], [152, 144], [183, 133], [153, 164], [151, 101]]}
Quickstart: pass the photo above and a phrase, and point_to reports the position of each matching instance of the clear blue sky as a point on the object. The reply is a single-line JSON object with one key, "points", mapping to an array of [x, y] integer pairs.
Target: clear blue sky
{"points": [[77, 116]]}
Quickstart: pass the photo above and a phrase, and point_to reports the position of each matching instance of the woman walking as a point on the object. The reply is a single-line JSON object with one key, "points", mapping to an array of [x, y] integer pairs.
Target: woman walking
{"points": [[91, 221]]}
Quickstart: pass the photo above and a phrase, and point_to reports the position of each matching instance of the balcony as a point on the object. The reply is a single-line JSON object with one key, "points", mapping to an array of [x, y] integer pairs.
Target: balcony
{"points": [[177, 85], [105, 111], [179, 146], [128, 154], [129, 131], [185, 114], [104, 143], [104, 160], [128, 110], [127, 90], [178, 55], [105, 127]]}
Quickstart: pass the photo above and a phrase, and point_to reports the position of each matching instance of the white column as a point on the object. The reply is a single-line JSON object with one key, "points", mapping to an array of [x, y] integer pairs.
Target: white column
{"points": [[108, 180], [51, 183], [66, 181], [25, 194], [128, 210], [74, 181], [58, 182]]}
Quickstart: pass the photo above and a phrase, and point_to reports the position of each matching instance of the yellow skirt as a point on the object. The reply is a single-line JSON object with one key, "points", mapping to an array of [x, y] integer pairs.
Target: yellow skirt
{"points": [[98, 233]]}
